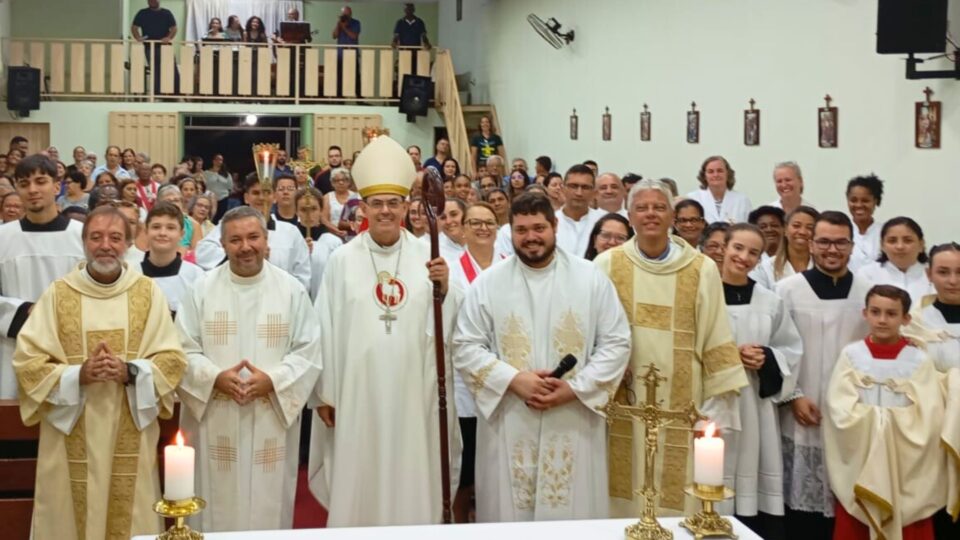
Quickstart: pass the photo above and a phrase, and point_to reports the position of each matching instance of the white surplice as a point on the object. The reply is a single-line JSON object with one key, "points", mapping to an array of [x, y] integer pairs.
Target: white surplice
{"points": [[31, 258], [573, 236], [288, 250], [779, 204], [247, 454], [765, 274], [866, 246], [914, 280], [753, 463], [735, 207], [940, 337], [826, 327], [173, 279], [541, 465], [323, 247], [380, 463]]}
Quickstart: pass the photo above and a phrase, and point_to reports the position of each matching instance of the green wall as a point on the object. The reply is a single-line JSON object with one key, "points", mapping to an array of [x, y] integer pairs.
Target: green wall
{"points": [[81, 19]]}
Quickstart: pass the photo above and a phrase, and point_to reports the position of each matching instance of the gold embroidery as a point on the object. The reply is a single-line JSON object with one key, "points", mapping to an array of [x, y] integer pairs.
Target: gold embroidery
{"points": [[479, 379], [621, 274], [269, 455], [720, 358], [515, 343], [123, 476], [685, 296], [29, 377], [76, 443], [683, 340], [69, 322], [653, 316], [274, 332], [220, 328], [620, 434], [567, 337], [223, 453], [113, 339], [171, 365], [139, 298], [523, 469], [557, 472]]}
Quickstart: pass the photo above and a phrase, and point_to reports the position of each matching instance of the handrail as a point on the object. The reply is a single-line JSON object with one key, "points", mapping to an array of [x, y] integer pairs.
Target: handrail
{"points": [[447, 100]]}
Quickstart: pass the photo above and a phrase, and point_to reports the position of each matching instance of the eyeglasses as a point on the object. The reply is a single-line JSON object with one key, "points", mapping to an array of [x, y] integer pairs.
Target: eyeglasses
{"points": [[579, 187], [378, 204], [658, 208], [841, 245], [612, 237], [478, 224], [687, 220]]}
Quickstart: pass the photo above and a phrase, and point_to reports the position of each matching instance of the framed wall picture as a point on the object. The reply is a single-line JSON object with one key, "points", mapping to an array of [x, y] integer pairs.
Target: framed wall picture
{"points": [[751, 125], [574, 126], [607, 123], [693, 124], [927, 122], [645, 124], [827, 119]]}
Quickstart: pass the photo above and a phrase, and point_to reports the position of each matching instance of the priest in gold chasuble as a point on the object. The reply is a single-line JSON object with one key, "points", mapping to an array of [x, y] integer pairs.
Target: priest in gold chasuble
{"points": [[673, 299], [96, 364]]}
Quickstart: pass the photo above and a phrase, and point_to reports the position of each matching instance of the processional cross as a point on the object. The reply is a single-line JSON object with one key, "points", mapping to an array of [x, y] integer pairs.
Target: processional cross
{"points": [[653, 417]]}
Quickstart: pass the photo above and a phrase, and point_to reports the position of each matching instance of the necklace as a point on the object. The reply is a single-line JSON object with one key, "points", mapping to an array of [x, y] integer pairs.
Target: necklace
{"points": [[388, 317]]}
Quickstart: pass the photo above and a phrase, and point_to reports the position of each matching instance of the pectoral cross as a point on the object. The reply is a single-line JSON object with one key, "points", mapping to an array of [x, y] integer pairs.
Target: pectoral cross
{"points": [[388, 319]]}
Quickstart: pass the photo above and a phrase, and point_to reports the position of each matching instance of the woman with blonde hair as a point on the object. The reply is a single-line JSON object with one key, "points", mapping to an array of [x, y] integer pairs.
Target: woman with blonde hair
{"points": [[793, 256]]}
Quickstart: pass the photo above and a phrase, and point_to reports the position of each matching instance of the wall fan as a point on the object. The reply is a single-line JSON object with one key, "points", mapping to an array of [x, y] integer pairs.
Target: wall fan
{"points": [[550, 31]]}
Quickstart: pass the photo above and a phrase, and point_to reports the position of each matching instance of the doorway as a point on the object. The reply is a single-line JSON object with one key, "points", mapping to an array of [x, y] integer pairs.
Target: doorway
{"points": [[231, 136]]}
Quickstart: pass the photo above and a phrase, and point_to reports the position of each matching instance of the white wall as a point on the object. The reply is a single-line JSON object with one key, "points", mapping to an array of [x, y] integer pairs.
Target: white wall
{"points": [[87, 124], [783, 53]]}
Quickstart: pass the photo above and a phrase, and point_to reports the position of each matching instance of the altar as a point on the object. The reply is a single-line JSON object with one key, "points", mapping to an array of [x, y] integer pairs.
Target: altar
{"points": [[597, 529]]}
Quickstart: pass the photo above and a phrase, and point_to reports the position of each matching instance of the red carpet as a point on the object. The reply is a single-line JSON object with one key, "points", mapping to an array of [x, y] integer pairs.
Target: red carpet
{"points": [[307, 512]]}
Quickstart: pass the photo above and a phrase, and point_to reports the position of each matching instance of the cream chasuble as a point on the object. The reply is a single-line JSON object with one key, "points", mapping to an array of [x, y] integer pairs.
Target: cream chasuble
{"points": [[679, 322], [534, 465], [891, 438], [247, 454], [97, 464], [940, 337], [380, 463]]}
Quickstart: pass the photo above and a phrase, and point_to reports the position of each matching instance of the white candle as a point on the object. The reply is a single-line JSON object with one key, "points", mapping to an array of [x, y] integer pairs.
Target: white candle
{"points": [[708, 458], [178, 471]]}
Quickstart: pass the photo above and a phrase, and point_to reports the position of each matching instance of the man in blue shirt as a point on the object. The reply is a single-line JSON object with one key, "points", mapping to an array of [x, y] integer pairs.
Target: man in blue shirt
{"points": [[155, 23], [410, 31], [346, 32]]}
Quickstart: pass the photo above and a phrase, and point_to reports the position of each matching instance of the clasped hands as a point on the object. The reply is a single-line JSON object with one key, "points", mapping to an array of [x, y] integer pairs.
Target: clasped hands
{"points": [[752, 356], [540, 391], [241, 390], [103, 366]]}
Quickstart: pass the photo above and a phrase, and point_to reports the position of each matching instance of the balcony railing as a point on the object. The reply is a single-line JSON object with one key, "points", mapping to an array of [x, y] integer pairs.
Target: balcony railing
{"points": [[217, 71]]}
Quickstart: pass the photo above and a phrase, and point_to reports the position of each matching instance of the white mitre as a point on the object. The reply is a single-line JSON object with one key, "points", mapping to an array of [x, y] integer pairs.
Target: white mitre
{"points": [[383, 167]]}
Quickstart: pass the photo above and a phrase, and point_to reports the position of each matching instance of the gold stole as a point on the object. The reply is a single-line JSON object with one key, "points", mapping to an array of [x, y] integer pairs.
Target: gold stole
{"points": [[680, 319], [126, 450]]}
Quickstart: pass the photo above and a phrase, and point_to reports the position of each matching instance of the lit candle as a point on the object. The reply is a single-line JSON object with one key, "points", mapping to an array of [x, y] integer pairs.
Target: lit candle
{"points": [[266, 157], [708, 458], [178, 471]]}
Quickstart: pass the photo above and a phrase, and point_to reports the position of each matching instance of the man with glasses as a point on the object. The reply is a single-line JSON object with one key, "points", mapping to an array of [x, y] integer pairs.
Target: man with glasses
{"points": [[576, 219], [673, 299], [541, 442], [375, 447], [826, 302]]}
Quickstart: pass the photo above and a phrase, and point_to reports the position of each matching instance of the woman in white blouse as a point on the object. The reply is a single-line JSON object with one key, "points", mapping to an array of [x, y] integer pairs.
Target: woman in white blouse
{"points": [[864, 194], [716, 195], [337, 199], [902, 259], [793, 254]]}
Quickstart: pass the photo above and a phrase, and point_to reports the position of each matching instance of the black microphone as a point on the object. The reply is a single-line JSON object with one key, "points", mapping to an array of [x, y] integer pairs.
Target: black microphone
{"points": [[564, 366]]}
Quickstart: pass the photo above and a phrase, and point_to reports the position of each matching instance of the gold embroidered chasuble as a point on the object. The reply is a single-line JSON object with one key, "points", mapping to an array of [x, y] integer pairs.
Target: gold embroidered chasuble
{"points": [[678, 321], [97, 473]]}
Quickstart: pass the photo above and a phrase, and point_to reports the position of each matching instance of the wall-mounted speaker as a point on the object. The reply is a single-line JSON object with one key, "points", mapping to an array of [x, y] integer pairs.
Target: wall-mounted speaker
{"points": [[415, 95], [23, 89], [912, 26]]}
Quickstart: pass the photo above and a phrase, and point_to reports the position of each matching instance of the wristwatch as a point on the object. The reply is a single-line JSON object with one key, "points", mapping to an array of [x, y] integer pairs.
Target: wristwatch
{"points": [[132, 372]]}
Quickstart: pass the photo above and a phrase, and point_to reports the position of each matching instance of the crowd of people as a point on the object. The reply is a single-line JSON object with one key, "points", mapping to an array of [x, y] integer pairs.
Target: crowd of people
{"points": [[823, 344]]}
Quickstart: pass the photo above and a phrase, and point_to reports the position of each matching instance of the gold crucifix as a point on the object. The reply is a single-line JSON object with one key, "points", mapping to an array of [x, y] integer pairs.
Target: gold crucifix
{"points": [[653, 417]]}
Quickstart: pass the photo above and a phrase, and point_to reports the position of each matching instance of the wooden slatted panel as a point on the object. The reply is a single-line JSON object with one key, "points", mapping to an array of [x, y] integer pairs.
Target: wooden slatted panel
{"points": [[150, 132], [138, 67], [404, 67], [264, 59], [186, 70], [311, 63], [386, 73], [349, 73], [166, 69], [78, 67], [423, 63], [283, 70], [11, 426], [368, 70], [343, 130], [16, 54], [225, 82], [98, 67], [117, 70], [38, 57], [245, 71], [206, 69], [58, 66], [330, 72]]}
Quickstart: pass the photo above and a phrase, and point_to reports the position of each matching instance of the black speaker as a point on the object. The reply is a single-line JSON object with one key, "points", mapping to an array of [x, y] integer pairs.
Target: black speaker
{"points": [[415, 95], [912, 26], [23, 89]]}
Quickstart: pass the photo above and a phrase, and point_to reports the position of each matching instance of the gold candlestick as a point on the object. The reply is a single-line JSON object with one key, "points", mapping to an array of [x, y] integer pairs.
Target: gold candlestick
{"points": [[707, 522], [653, 417], [179, 511]]}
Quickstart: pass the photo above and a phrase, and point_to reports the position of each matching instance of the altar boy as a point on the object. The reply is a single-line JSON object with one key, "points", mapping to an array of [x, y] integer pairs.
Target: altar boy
{"points": [[888, 411]]}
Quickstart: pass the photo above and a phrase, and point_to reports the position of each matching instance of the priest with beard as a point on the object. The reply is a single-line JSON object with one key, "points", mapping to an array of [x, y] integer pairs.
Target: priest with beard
{"points": [[97, 363], [375, 452], [541, 437]]}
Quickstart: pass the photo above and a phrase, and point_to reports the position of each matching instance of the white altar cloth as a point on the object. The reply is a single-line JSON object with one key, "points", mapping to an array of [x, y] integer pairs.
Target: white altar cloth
{"points": [[597, 529]]}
